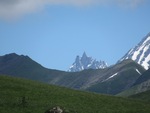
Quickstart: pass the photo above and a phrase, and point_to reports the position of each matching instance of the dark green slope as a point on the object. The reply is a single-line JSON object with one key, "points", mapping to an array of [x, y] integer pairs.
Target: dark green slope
{"points": [[142, 87], [97, 80], [40, 97], [24, 67], [142, 96], [142, 84], [124, 76], [145, 76]]}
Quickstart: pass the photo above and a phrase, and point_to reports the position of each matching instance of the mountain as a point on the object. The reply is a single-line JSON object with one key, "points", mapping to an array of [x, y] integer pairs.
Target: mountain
{"points": [[86, 62], [118, 78], [26, 96], [110, 80], [145, 76], [135, 89], [24, 67], [142, 84], [140, 53]]}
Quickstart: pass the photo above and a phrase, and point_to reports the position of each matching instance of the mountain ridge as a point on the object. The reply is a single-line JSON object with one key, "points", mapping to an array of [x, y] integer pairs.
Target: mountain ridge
{"points": [[85, 62], [140, 53], [24, 67], [119, 77]]}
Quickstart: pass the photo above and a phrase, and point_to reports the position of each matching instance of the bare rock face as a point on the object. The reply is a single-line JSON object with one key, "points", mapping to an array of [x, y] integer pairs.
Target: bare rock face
{"points": [[56, 109]]}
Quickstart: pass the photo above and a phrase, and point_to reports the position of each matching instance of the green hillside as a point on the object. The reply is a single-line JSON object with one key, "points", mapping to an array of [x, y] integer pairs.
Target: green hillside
{"points": [[142, 87], [24, 96], [142, 96], [129, 92]]}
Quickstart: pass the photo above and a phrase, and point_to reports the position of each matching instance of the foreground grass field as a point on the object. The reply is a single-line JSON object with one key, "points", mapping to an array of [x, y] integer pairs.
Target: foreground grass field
{"points": [[24, 96]]}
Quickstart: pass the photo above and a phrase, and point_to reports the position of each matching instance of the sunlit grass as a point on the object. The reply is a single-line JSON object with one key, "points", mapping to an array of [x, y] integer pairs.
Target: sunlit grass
{"points": [[40, 97]]}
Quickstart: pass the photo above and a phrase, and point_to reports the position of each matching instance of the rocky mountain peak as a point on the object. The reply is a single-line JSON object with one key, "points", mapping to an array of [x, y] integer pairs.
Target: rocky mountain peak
{"points": [[140, 53], [86, 62]]}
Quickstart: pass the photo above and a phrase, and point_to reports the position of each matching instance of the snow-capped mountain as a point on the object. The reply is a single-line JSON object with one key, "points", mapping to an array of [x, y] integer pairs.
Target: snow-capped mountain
{"points": [[140, 53], [86, 62]]}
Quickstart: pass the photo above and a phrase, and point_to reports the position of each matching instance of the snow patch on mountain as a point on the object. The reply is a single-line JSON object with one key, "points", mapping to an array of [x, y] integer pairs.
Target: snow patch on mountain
{"points": [[140, 53], [138, 71], [113, 75], [86, 62]]}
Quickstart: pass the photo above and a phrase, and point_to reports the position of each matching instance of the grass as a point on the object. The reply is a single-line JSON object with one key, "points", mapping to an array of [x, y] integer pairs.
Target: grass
{"points": [[25, 96]]}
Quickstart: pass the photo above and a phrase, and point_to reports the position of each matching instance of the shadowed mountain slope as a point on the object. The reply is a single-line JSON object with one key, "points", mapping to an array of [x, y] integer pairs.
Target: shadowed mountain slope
{"points": [[24, 67], [142, 84], [121, 77]]}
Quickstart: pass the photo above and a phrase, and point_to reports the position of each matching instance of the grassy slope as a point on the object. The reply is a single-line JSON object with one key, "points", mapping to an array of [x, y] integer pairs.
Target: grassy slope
{"points": [[40, 97], [129, 92], [142, 96], [145, 86]]}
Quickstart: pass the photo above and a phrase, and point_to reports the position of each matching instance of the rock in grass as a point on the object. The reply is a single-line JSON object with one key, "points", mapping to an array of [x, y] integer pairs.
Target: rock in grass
{"points": [[56, 109]]}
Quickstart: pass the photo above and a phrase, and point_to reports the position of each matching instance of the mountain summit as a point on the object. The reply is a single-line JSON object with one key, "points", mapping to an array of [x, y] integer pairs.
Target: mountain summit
{"points": [[86, 62], [140, 53]]}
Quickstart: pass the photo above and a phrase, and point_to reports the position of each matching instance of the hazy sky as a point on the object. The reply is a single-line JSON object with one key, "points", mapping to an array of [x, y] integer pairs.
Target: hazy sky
{"points": [[53, 32]]}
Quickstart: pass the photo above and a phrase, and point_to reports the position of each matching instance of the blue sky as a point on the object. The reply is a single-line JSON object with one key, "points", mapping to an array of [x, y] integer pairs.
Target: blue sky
{"points": [[54, 32]]}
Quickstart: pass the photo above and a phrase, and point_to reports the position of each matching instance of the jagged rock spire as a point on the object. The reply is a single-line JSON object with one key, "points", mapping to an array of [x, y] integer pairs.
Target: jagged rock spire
{"points": [[86, 62]]}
